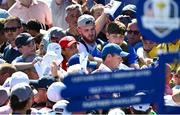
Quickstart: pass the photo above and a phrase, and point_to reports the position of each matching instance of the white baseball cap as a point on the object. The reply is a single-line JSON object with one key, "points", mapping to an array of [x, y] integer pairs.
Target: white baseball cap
{"points": [[18, 77], [54, 91], [116, 111], [60, 107], [141, 107]]}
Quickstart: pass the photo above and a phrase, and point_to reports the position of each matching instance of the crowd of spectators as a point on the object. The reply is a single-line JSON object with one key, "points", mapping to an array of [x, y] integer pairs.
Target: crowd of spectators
{"points": [[44, 41]]}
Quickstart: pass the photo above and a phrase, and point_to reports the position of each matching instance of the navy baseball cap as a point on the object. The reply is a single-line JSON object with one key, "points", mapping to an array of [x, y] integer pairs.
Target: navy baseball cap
{"points": [[44, 82], [23, 39], [75, 59], [112, 48]]}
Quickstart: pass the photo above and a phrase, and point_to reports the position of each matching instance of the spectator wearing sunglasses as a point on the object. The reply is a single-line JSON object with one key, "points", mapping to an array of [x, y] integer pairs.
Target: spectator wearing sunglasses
{"points": [[133, 35], [12, 27]]}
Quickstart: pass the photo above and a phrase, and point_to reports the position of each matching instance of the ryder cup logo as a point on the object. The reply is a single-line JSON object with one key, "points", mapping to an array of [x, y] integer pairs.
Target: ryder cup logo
{"points": [[160, 16]]}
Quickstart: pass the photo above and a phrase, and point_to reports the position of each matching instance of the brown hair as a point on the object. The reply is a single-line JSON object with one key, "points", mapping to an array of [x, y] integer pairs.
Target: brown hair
{"points": [[14, 19], [96, 7], [116, 28], [7, 68]]}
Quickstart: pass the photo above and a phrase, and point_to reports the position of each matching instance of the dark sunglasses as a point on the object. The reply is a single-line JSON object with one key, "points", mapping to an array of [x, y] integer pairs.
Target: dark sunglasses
{"points": [[125, 20], [134, 32], [89, 22], [12, 29]]}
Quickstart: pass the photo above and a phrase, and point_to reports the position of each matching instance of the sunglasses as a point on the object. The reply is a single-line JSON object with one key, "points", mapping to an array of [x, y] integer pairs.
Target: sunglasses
{"points": [[11, 29], [134, 32], [89, 22], [125, 20]]}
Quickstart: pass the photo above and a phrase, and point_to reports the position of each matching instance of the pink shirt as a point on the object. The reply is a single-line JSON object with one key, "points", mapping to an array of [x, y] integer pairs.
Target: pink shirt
{"points": [[38, 10]]}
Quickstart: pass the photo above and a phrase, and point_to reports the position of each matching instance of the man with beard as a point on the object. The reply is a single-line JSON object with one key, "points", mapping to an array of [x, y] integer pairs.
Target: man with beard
{"points": [[87, 30]]}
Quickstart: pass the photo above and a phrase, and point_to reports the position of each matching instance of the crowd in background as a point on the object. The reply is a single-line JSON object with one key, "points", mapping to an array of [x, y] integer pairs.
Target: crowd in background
{"points": [[72, 37]]}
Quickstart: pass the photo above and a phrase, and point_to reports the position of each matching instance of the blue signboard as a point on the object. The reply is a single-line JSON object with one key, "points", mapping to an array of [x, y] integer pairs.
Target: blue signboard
{"points": [[159, 20], [125, 83], [171, 58], [107, 103], [107, 83]]}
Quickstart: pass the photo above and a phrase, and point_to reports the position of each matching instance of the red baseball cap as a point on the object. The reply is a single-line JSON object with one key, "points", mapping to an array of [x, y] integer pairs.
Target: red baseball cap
{"points": [[67, 41]]}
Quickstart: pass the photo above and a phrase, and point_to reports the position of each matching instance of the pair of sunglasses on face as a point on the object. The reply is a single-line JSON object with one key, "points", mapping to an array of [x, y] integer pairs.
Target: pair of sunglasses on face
{"points": [[11, 29], [133, 32]]}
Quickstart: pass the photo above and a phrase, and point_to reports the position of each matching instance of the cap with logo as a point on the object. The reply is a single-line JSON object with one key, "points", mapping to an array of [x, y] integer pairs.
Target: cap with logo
{"points": [[85, 20], [60, 107]]}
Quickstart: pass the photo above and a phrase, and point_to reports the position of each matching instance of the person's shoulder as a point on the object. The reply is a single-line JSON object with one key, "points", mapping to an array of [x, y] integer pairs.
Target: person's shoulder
{"points": [[7, 47], [18, 59]]}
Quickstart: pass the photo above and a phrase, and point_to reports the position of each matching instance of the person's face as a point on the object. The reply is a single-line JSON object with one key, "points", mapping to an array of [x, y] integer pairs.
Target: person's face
{"points": [[115, 38], [97, 13], [72, 18], [29, 49], [133, 34], [116, 61], [148, 45], [70, 51], [11, 30], [26, 2], [88, 33]]}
